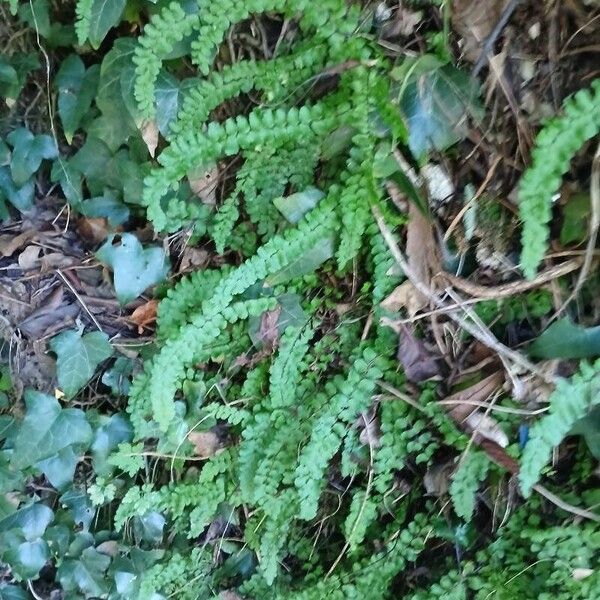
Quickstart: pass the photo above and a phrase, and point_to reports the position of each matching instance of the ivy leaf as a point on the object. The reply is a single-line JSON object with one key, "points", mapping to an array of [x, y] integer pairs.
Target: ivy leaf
{"points": [[80, 505], [50, 438], [86, 574], [25, 558], [436, 100], [118, 378], [20, 197], [78, 356], [564, 339], [167, 98], [105, 206], [76, 90], [12, 592], [116, 430], [135, 268], [589, 429], [28, 152], [31, 521], [149, 527], [104, 15]]}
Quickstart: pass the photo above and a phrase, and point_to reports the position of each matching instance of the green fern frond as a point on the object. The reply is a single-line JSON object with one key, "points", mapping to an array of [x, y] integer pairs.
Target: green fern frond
{"points": [[83, 20], [555, 146], [570, 401], [471, 471]]}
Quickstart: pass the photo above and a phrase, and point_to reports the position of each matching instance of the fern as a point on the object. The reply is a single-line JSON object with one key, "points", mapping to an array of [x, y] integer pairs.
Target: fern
{"points": [[570, 401], [471, 471], [83, 22], [555, 146]]}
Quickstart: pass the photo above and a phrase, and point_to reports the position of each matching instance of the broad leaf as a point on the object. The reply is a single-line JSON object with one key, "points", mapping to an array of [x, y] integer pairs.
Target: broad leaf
{"points": [[12, 592], [105, 14], [25, 558], [77, 357], [135, 268], [589, 429], [50, 438], [295, 206], [436, 101], [118, 378], [28, 152], [20, 197], [564, 339], [86, 574], [116, 430], [307, 262], [80, 505], [76, 91], [105, 206], [31, 521]]}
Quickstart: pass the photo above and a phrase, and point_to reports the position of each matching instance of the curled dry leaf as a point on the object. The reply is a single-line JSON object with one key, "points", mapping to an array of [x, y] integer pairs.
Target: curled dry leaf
{"points": [[204, 184], [149, 131], [94, 230], [10, 243], [269, 332], [437, 478], [464, 402], [418, 362], [404, 296], [487, 427], [29, 258], [206, 443], [144, 315]]}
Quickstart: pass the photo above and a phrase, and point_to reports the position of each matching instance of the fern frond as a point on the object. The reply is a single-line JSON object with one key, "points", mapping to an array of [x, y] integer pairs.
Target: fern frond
{"points": [[570, 401], [171, 25], [83, 20], [555, 146], [470, 473]]}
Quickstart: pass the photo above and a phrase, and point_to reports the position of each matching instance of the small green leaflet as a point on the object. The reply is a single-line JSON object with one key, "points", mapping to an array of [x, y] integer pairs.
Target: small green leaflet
{"points": [[50, 438], [76, 91], [28, 152], [307, 262], [77, 357], [564, 339], [465, 481], [104, 15], [135, 268], [295, 206]]}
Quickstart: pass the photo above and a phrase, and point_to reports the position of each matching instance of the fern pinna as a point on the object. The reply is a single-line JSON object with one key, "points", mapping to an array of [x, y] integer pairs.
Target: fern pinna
{"points": [[288, 413]]}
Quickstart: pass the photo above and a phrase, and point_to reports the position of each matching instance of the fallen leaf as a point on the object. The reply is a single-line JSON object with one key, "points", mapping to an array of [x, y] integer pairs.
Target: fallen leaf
{"points": [[403, 22], [56, 260], [10, 243], [268, 332], [462, 403], [404, 296], [53, 310], [206, 443], [418, 362], [204, 184], [580, 573], [29, 258], [110, 548], [144, 315], [486, 427], [437, 478], [474, 20], [149, 131], [92, 229], [193, 258], [230, 595]]}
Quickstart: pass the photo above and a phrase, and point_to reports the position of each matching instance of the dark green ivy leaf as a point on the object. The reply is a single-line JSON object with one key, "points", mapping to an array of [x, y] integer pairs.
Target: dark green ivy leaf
{"points": [[564, 339], [589, 429], [12, 592], [295, 206], [436, 100], [76, 91], [86, 574], [31, 520], [135, 268], [78, 356], [50, 438], [28, 152], [105, 14]]}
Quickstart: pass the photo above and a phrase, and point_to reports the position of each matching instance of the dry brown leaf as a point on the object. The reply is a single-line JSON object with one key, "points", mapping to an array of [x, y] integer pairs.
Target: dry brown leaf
{"points": [[93, 230], [149, 131], [437, 478], [206, 443], [144, 315], [462, 403], [51, 311], [204, 184], [29, 258], [230, 595], [403, 23], [193, 258], [269, 332], [56, 260], [10, 243], [110, 548], [404, 296], [487, 427], [418, 362], [474, 20]]}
